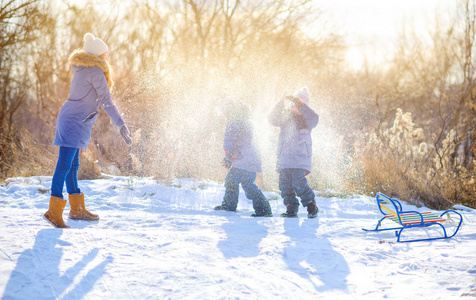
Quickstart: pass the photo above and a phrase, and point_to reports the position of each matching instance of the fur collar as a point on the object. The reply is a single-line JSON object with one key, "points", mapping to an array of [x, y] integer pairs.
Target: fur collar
{"points": [[81, 58]]}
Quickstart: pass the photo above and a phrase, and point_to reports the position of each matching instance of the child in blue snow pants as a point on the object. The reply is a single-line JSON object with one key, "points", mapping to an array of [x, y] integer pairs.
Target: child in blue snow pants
{"points": [[296, 120], [242, 158]]}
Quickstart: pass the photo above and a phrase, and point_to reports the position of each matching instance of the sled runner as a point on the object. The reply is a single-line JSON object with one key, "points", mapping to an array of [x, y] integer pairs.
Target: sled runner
{"points": [[392, 210]]}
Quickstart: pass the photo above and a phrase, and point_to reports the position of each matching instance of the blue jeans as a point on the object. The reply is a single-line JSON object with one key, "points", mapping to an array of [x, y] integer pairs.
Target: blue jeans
{"points": [[66, 170], [232, 190], [293, 182]]}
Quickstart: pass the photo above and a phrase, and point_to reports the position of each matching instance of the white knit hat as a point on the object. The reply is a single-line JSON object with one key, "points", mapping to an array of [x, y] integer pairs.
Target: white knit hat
{"points": [[94, 45], [303, 95]]}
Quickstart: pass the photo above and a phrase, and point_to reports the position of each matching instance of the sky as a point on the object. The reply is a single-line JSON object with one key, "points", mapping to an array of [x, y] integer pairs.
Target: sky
{"points": [[372, 26]]}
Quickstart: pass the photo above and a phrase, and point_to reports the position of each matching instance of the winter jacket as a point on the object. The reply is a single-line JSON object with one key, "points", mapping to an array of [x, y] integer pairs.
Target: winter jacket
{"points": [[239, 142], [89, 90], [295, 143]]}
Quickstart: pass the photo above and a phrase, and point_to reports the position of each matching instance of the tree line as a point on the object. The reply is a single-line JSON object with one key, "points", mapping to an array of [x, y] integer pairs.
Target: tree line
{"points": [[407, 129]]}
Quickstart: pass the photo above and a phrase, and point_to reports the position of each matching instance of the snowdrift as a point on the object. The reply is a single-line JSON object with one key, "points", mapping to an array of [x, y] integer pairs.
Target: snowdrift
{"points": [[157, 241]]}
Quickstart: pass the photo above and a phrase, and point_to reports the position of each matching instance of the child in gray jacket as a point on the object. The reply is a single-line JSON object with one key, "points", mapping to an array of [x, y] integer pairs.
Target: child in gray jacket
{"points": [[242, 158], [296, 120]]}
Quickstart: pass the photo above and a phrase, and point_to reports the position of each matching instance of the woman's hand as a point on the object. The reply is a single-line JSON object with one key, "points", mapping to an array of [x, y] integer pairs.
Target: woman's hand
{"points": [[126, 135]]}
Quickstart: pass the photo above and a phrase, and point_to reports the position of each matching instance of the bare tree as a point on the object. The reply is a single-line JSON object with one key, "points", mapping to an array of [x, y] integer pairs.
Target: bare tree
{"points": [[19, 22]]}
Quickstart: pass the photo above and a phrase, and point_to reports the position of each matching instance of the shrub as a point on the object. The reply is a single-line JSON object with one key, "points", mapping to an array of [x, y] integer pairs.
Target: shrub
{"points": [[401, 161]]}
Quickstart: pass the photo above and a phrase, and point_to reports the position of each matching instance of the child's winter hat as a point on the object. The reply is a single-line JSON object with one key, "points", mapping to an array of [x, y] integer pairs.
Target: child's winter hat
{"points": [[233, 109], [94, 45], [303, 95]]}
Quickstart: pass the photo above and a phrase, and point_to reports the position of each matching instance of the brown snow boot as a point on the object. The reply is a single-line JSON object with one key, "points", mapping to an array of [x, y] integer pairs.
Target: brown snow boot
{"points": [[54, 215], [78, 211]]}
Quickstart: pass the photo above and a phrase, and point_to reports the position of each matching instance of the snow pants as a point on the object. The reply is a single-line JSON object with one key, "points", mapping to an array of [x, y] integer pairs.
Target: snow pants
{"points": [[232, 190], [293, 182]]}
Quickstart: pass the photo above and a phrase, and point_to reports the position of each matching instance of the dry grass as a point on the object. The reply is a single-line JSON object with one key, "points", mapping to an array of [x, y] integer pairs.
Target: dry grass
{"points": [[382, 173], [393, 163], [23, 156]]}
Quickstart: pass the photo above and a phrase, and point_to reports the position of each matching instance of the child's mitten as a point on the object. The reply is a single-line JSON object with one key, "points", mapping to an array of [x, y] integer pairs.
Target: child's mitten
{"points": [[228, 160], [294, 100]]}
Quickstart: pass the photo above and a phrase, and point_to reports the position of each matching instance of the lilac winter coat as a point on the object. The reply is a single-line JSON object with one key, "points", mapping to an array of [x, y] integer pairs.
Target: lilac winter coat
{"points": [[76, 118], [295, 142], [239, 141]]}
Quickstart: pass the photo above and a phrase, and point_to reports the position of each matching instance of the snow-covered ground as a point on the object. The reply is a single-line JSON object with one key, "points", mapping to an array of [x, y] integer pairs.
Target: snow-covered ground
{"points": [[157, 241]]}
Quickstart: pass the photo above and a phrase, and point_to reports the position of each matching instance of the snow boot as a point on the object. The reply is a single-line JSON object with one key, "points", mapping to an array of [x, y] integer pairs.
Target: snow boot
{"points": [[261, 215], [54, 215], [262, 208], [223, 207], [312, 210], [291, 211], [78, 211]]}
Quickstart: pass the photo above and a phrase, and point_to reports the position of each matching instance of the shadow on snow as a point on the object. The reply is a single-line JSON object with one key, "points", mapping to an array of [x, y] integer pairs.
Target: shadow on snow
{"points": [[312, 257], [37, 273]]}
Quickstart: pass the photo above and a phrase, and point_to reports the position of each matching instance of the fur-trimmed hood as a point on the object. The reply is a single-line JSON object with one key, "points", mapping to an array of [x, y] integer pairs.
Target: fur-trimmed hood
{"points": [[81, 58]]}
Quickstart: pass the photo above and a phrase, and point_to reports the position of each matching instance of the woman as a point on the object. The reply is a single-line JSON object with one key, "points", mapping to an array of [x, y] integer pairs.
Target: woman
{"points": [[90, 87]]}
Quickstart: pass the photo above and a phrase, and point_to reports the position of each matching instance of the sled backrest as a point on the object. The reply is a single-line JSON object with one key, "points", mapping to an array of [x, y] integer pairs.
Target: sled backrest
{"points": [[388, 206]]}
